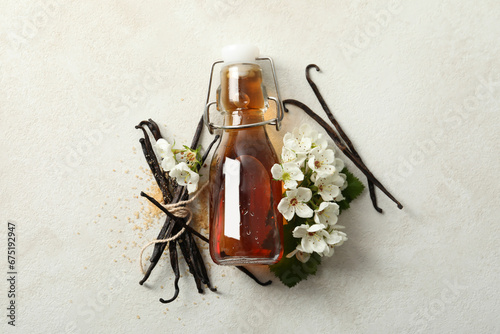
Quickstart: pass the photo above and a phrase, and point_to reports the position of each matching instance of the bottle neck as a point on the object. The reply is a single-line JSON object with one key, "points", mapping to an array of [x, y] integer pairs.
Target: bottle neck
{"points": [[241, 88], [243, 117], [241, 96]]}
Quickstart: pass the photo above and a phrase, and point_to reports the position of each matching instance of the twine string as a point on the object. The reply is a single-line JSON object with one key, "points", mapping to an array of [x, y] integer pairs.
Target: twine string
{"points": [[179, 210]]}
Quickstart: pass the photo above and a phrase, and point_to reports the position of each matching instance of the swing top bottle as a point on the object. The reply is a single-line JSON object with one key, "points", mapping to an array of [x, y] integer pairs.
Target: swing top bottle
{"points": [[245, 224]]}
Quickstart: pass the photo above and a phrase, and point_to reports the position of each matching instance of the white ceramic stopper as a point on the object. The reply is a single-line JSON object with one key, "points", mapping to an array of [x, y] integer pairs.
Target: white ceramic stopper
{"points": [[240, 53]]}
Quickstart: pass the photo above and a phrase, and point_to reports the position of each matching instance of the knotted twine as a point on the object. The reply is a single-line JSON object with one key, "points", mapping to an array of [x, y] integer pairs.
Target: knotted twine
{"points": [[179, 210]]}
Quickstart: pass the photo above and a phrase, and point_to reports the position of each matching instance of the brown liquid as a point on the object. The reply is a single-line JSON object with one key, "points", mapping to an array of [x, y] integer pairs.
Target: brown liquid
{"points": [[260, 229]]}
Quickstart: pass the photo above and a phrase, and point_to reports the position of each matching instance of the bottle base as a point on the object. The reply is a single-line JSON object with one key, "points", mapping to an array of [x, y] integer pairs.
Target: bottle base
{"points": [[241, 261]]}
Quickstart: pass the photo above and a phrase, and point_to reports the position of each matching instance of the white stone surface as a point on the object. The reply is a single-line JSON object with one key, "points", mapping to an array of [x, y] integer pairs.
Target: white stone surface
{"points": [[416, 84]]}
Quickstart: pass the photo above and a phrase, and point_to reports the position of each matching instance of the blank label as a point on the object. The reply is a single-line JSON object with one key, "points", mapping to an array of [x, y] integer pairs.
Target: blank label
{"points": [[231, 171]]}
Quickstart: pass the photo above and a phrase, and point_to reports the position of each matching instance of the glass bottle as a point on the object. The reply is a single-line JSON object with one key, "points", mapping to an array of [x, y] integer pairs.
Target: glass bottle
{"points": [[245, 224]]}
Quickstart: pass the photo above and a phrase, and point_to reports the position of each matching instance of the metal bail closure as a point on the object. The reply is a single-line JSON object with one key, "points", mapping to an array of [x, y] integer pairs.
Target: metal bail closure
{"points": [[274, 121]]}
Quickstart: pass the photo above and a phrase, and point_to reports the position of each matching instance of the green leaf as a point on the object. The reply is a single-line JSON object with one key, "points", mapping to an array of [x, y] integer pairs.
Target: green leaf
{"points": [[354, 186], [291, 271], [343, 205], [353, 190]]}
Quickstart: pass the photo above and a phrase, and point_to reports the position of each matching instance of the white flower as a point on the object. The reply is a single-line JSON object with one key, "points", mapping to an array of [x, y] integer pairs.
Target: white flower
{"points": [[185, 176], [343, 182], [188, 156], [328, 252], [289, 173], [163, 148], [326, 214], [328, 186], [320, 142], [287, 155], [305, 130], [295, 203], [300, 254], [335, 238], [167, 163], [338, 164], [319, 161], [303, 139], [313, 237], [297, 144]]}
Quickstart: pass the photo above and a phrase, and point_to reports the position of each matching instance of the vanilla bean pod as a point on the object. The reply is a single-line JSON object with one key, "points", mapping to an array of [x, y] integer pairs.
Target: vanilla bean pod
{"points": [[155, 131], [341, 132], [185, 249], [174, 262], [199, 263], [152, 161], [252, 276], [171, 215], [209, 148], [153, 127], [165, 232], [197, 134], [153, 164], [336, 139]]}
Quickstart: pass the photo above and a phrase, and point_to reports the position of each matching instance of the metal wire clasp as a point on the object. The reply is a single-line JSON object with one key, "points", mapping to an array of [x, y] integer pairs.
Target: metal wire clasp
{"points": [[274, 121]]}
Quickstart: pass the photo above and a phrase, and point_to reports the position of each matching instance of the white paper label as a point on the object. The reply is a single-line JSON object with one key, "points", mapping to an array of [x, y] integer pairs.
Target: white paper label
{"points": [[231, 171]]}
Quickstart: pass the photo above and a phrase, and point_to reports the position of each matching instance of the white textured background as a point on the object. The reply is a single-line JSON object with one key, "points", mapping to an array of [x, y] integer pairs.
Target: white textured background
{"points": [[416, 84]]}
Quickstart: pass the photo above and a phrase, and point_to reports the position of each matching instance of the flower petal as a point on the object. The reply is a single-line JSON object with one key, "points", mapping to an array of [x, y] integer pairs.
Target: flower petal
{"points": [[322, 206], [192, 187], [300, 231], [306, 245], [303, 210], [291, 193], [316, 228], [163, 148], [326, 169], [287, 155], [290, 184], [167, 163], [327, 156], [318, 245], [302, 256], [195, 177], [331, 191], [311, 163], [329, 251], [277, 171], [286, 209], [339, 164], [293, 170], [303, 194], [291, 254], [317, 219]]}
